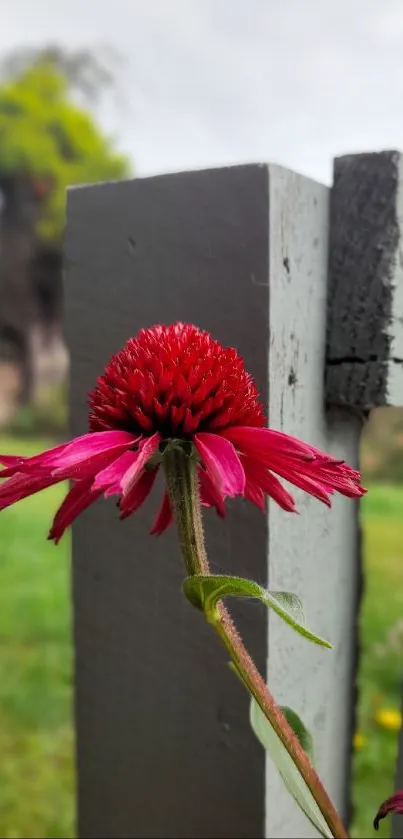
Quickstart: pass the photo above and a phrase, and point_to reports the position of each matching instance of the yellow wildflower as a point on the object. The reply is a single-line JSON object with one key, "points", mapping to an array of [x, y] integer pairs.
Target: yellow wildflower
{"points": [[359, 741], [389, 718]]}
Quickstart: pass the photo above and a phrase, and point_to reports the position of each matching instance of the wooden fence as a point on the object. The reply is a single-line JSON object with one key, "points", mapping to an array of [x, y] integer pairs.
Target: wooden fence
{"points": [[307, 283]]}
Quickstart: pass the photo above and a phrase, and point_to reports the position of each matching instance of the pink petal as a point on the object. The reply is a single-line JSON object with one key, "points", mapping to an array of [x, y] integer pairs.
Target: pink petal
{"points": [[268, 483], [76, 501], [113, 474], [86, 468], [133, 499], [90, 446], [25, 464], [317, 479], [312, 470], [275, 490], [114, 489], [209, 494], [222, 463], [74, 452], [308, 483], [20, 486], [258, 441], [147, 447], [254, 494], [163, 518], [338, 476], [11, 460]]}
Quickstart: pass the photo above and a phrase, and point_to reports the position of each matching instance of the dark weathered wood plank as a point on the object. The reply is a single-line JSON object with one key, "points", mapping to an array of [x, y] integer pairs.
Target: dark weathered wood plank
{"points": [[164, 744], [365, 300]]}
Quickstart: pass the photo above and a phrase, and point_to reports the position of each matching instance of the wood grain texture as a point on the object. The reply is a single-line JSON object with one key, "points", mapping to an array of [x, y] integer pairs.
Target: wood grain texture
{"points": [[164, 743], [314, 554], [365, 302]]}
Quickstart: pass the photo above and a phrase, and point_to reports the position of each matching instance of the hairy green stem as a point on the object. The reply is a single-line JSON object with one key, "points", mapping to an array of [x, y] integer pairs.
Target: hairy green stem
{"points": [[182, 481], [183, 489]]}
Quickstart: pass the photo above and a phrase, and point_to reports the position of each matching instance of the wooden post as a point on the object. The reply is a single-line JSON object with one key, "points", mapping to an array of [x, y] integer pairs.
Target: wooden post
{"points": [[365, 304], [365, 301], [164, 744], [313, 554]]}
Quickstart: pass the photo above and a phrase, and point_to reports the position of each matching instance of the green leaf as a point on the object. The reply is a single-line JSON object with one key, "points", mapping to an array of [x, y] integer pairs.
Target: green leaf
{"points": [[290, 774], [204, 592], [298, 727]]}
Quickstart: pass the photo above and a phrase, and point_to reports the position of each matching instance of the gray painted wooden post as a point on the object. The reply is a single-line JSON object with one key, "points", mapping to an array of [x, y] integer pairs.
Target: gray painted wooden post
{"points": [[164, 744], [313, 554]]}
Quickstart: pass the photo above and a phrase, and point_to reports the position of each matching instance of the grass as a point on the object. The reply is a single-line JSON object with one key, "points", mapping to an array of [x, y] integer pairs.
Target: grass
{"points": [[381, 657], [36, 740]]}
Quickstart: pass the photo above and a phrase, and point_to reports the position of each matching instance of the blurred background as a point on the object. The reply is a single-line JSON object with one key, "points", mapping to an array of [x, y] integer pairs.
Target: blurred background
{"points": [[98, 91]]}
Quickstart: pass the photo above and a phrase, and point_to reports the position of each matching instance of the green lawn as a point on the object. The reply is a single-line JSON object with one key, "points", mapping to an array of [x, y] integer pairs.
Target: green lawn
{"points": [[381, 659], [36, 743]]}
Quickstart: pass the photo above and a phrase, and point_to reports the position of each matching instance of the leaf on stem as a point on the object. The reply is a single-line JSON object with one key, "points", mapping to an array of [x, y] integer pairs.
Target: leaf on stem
{"points": [[291, 776], [299, 729], [204, 592]]}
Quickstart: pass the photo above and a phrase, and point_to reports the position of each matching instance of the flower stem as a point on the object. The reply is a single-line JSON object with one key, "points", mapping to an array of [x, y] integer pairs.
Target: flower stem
{"points": [[182, 482], [183, 489], [251, 677]]}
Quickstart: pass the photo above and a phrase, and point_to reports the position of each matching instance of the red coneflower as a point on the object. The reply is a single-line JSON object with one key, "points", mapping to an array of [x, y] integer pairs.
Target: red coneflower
{"points": [[175, 383]]}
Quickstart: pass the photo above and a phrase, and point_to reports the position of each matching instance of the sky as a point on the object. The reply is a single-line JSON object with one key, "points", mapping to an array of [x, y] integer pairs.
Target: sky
{"points": [[215, 82]]}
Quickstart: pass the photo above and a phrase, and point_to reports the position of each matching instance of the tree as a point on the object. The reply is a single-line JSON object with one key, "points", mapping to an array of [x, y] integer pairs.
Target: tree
{"points": [[87, 72], [48, 141], [49, 138]]}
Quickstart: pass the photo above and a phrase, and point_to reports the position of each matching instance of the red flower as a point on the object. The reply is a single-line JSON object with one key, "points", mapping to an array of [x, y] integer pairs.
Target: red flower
{"points": [[176, 382], [394, 804]]}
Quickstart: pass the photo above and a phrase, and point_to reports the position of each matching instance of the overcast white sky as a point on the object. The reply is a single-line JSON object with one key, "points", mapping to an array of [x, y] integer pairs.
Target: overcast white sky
{"points": [[211, 82]]}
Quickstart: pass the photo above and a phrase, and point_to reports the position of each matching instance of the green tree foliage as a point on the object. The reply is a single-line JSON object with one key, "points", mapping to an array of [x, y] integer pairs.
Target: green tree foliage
{"points": [[46, 135], [89, 73]]}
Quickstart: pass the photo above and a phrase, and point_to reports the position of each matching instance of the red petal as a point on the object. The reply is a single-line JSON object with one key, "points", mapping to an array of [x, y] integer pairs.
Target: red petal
{"points": [[91, 444], [267, 482], [222, 463], [163, 518], [71, 453], [394, 804], [11, 461], [308, 483], [20, 486], [133, 499], [257, 441], [209, 494], [113, 474], [254, 494], [89, 454], [76, 501], [147, 447], [28, 464], [312, 470]]}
